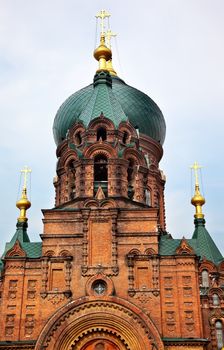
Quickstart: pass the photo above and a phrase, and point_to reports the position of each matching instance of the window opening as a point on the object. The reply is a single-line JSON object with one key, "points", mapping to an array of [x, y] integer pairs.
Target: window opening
{"points": [[205, 278], [78, 138], [215, 299], [125, 137], [131, 176], [71, 180], [219, 334], [100, 173], [99, 287], [101, 134], [147, 197]]}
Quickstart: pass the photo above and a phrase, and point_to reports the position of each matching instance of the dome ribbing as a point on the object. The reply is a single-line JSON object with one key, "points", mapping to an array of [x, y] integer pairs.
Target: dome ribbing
{"points": [[141, 111]]}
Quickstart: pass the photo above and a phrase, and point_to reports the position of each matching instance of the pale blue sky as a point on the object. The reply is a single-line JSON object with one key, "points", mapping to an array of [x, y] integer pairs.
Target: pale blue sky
{"points": [[173, 50]]}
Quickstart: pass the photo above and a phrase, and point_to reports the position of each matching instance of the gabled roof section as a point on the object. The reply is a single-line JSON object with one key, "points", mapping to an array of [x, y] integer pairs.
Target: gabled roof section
{"points": [[206, 246], [201, 243], [169, 245], [21, 238]]}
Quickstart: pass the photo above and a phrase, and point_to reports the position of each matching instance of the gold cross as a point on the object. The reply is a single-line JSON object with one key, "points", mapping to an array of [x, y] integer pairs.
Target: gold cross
{"points": [[195, 167], [25, 173], [102, 15], [109, 35]]}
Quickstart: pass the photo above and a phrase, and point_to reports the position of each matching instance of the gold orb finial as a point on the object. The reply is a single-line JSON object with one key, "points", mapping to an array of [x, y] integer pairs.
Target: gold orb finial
{"points": [[23, 203], [197, 200], [102, 53]]}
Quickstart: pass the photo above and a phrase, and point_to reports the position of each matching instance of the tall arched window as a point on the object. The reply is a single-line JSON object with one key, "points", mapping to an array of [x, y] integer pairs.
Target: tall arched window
{"points": [[101, 134], [125, 137], [215, 299], [205, 278], [100, 173], [131, 177], [219, 334], [147, 197], [78, 138], [71, 180]]}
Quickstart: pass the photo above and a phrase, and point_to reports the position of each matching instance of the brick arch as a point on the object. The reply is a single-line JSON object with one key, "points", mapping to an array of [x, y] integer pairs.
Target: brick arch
{"points": [[66, 158], [98, 148], [221, 266], [70, 326], [108, 203], [126, 126], [107, 340], [76, 128], [101, 121], [64, 253], [150, 251], [136, 155], [134, 251], [49, 253], [91, 203], [207, 265]]}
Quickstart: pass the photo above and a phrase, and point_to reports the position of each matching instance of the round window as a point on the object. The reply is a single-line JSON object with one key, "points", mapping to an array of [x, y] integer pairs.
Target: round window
{"points": [[99, 287]]}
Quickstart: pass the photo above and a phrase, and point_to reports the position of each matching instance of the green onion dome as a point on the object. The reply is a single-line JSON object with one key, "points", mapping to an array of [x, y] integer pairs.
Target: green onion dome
{"points": [[117, 101]]}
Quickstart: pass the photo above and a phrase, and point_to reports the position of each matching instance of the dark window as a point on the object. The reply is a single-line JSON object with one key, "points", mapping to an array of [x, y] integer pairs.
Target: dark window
{"points": [[99, 287], [100, 168], [125, 137], [131, 174], [71, 180], [78, 138], [101, 134]]}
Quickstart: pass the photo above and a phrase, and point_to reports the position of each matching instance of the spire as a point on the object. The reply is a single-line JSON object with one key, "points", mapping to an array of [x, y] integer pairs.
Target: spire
{"points": [[23, 204], [197, 200], [109, 35], [103, 52], [206, 247]]}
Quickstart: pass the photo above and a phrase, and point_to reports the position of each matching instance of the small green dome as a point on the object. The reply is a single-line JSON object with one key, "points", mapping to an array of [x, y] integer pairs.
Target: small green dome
{"points": [[118, 102]]}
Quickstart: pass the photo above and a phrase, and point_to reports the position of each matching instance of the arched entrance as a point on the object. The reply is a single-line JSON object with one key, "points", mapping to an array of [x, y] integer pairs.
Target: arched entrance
{"points": [[100, 344], [108, 324]]}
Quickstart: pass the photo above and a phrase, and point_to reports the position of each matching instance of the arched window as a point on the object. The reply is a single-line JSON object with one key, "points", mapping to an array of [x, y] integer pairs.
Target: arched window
{"points": [[101, 134], [125, 137], [205, 278], [219, 334], [147, 197], [131, 177], [100, 172], [71, 180], [215, 299], [78, 138]]}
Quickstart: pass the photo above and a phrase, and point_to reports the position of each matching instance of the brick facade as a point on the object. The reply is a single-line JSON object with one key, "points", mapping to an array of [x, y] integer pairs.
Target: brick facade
{"points": [[102, 281]]}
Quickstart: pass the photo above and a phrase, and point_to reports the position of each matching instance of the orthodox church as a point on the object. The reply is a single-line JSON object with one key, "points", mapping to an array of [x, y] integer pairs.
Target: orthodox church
{"points": [[106, 274]]}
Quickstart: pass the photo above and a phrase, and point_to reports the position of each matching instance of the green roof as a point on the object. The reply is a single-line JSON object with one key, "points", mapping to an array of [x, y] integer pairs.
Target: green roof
{"points": [[201, 242], [206, 246], [103, 101], [121, 102], [32, 249], [168, 245]]}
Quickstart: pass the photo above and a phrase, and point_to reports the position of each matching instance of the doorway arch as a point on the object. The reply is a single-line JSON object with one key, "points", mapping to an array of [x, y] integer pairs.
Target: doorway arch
{"points": [[118, 324]]}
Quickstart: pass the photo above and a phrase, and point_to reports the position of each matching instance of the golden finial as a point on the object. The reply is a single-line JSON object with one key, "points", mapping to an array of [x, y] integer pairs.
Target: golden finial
{"points": [[102, 53], [23, 204], [197, 200], [109, 64]]}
